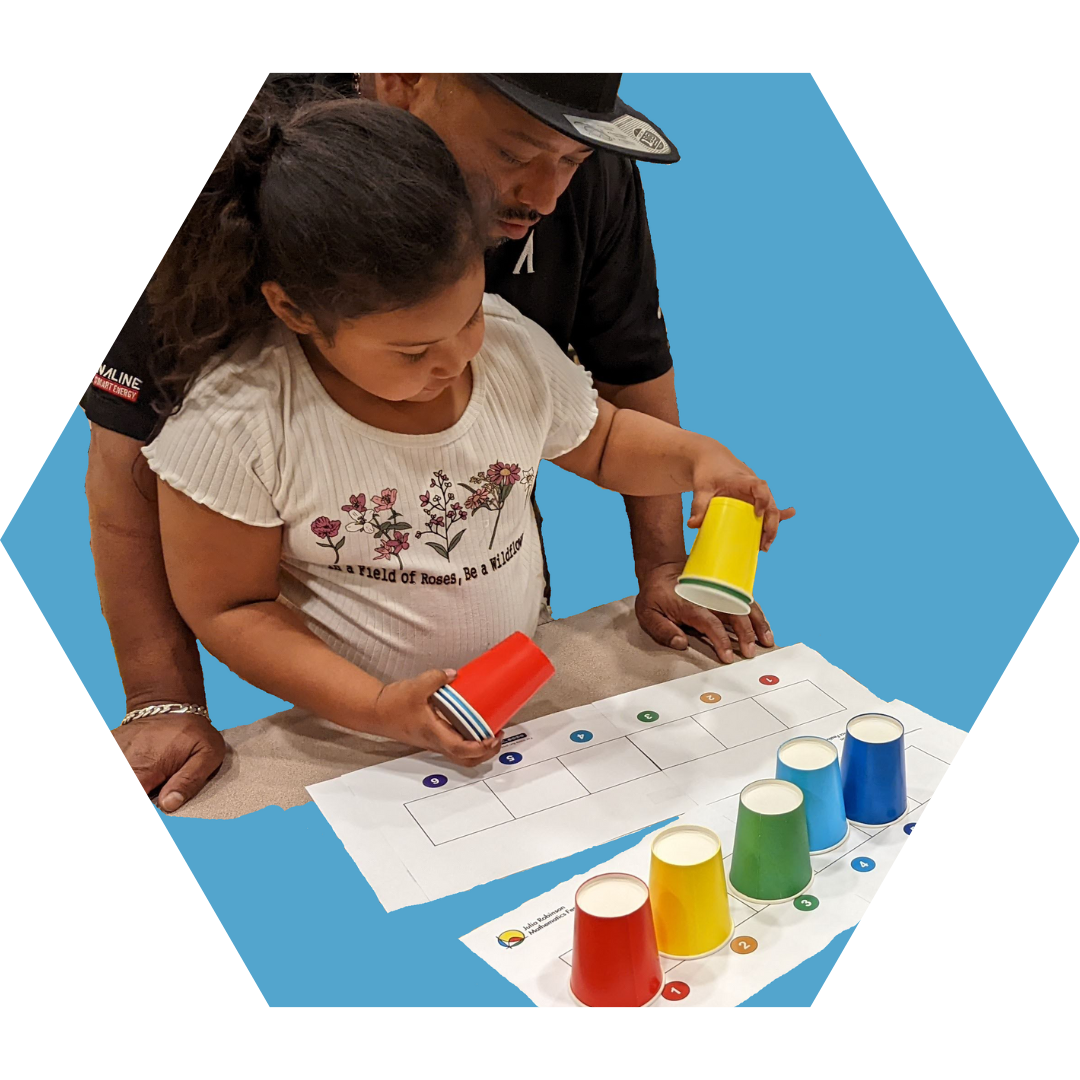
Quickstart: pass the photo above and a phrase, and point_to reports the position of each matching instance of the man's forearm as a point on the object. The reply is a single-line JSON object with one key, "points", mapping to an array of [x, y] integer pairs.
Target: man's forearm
{"points": [[155, 651], [656, 529]]}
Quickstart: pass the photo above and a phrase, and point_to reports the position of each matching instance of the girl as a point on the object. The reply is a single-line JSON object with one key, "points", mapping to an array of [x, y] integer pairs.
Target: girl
{"points": [[344, 493]]}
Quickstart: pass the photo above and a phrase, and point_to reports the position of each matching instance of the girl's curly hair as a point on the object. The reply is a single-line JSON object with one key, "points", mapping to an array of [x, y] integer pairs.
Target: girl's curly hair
{"points": [[351, 206]]}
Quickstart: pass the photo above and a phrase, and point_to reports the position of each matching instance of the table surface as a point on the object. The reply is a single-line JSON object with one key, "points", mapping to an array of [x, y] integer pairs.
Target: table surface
{"points": [[596, 654]]}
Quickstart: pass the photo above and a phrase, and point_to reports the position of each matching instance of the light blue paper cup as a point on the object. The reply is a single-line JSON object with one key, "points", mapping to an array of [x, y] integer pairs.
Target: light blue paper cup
{"points": [[813, 766]]}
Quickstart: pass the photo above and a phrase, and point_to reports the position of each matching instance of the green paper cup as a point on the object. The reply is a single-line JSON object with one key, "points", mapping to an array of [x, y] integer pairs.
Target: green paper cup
{"points": [[770, 862]]}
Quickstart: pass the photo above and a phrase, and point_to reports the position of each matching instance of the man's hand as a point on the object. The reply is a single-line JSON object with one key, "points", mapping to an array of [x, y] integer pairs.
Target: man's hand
{"points": [[155, 650], [662, 616], [177, 752]]}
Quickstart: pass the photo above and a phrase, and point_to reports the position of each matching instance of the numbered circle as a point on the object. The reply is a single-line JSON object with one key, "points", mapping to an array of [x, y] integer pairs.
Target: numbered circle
{"points": [[806, 902], [581, 736], [648, 716], [511, 757], [710, 698], [676, 991], [909, 827], [434, 780], [744, 945], [769, 680], [864, 866]]}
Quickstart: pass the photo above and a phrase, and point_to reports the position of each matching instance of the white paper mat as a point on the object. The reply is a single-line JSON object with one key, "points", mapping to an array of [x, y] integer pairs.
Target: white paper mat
{"points": [[420, 828], [769, 940]]}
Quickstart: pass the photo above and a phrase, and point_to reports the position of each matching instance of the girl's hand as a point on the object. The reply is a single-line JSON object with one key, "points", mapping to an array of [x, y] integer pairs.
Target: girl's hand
{"points": [[716, 474], [404, 712]]}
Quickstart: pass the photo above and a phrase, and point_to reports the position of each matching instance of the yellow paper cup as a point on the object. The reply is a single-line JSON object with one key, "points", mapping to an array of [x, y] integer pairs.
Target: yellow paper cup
{"points": [[720, 571], [689, 893]]}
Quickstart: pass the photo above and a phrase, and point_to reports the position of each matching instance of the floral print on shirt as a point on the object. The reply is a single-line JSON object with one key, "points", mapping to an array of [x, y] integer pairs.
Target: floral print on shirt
{"points": [[493, 488], [442, 513], [379, 516]]}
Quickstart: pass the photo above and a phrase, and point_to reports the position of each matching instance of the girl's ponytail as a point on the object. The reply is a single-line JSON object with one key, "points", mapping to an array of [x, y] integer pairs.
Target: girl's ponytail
{"points": [[352, 207], [205, 294]]}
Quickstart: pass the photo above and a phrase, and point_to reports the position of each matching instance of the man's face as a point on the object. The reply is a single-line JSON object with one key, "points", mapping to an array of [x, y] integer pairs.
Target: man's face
{"points": [[529, 163]]}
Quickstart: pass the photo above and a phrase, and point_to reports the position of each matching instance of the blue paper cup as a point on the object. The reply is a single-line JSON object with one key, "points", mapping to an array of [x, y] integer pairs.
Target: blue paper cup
{"points": [[813, 766], [872, 769]]}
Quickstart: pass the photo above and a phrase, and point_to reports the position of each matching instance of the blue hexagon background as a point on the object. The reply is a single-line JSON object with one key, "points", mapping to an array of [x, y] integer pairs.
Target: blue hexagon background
{"points": [[807, 337]]}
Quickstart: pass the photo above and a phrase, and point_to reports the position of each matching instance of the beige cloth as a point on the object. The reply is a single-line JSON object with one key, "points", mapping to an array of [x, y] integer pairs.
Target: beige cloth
{"points": [[596, 654]]}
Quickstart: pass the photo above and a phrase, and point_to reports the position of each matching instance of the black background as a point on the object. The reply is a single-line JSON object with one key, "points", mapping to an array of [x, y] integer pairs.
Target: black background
{"points": [[969, 166]]}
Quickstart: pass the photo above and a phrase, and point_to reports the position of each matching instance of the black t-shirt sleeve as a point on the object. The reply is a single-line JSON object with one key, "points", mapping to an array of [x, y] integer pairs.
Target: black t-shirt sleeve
{"points": [[121, 396], [619, 330]]}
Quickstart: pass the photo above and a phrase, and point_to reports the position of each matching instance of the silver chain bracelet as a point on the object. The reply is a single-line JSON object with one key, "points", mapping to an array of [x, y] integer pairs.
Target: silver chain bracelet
{"points": [[160, 710]]}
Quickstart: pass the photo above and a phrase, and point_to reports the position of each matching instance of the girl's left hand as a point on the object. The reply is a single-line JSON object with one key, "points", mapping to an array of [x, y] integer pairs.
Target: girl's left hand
{"points": [[715, 475]]}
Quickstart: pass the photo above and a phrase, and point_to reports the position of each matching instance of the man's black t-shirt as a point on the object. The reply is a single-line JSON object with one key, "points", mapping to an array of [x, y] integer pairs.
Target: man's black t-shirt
{"points": [[586, 273]]}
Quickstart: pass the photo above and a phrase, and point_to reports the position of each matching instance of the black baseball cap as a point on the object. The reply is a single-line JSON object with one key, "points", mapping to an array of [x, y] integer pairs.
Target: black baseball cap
{"points": [[588, 109]]}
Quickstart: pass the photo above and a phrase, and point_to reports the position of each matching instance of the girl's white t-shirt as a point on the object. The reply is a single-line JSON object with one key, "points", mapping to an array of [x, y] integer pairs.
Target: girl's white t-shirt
{"points": [[402, 552]]}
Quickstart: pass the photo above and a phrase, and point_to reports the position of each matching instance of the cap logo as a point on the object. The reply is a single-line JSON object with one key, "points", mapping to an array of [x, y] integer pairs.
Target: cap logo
{"points": [[626, 131]]}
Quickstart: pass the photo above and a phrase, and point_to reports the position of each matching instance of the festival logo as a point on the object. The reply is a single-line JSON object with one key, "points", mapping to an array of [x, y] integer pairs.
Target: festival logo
{"points": [[509, 938]]}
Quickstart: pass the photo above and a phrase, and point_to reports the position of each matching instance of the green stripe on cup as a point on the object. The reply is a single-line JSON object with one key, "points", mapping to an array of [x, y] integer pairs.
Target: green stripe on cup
{"points": [[706, 584]]}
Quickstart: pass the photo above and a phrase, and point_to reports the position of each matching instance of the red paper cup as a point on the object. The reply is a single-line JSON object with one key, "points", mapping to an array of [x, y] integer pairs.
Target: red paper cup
{"points": [[616, 963], [501, 681]]}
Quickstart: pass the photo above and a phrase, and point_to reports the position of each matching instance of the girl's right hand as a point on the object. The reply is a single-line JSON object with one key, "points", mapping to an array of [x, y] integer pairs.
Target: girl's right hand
{"points": [[718, 472], [404, 712]]}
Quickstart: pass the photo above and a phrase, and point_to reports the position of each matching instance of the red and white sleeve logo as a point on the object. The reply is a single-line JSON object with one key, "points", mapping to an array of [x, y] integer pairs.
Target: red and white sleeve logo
{"points": [[118, 383]]}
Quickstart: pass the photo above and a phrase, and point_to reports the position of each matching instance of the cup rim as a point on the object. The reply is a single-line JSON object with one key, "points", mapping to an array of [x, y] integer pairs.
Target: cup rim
{"points": [[700, 955], [883, 824], [780, 900], [687, 827], [612, 874], [697, 589], [808, 738], [644, 1005], [771, 781], [469, 717], [879, 716], [839, 843]]}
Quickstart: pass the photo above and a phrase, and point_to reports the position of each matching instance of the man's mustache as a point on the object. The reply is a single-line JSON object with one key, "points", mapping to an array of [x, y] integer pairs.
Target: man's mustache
{"points": [[509, 213]]}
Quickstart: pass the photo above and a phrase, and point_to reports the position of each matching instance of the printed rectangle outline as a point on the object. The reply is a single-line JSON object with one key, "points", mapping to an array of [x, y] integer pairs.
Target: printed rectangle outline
{"points": [[693, 716], [463, 835], [513, 816], [612, 742], [543, 761], [787, 686], [702, 757]]}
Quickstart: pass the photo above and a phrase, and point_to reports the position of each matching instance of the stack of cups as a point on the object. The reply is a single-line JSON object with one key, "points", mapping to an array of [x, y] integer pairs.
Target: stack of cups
{"points": [[770, 862], [873, 771], [490, 689], [616, 963], [719, 574]]}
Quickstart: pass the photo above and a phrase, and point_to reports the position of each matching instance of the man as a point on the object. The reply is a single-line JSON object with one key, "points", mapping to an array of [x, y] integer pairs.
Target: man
{"points": [[574, 253]]}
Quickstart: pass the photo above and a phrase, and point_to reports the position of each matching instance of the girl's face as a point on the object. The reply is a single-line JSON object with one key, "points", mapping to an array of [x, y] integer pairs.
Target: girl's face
{"points": [[413, 354]]}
